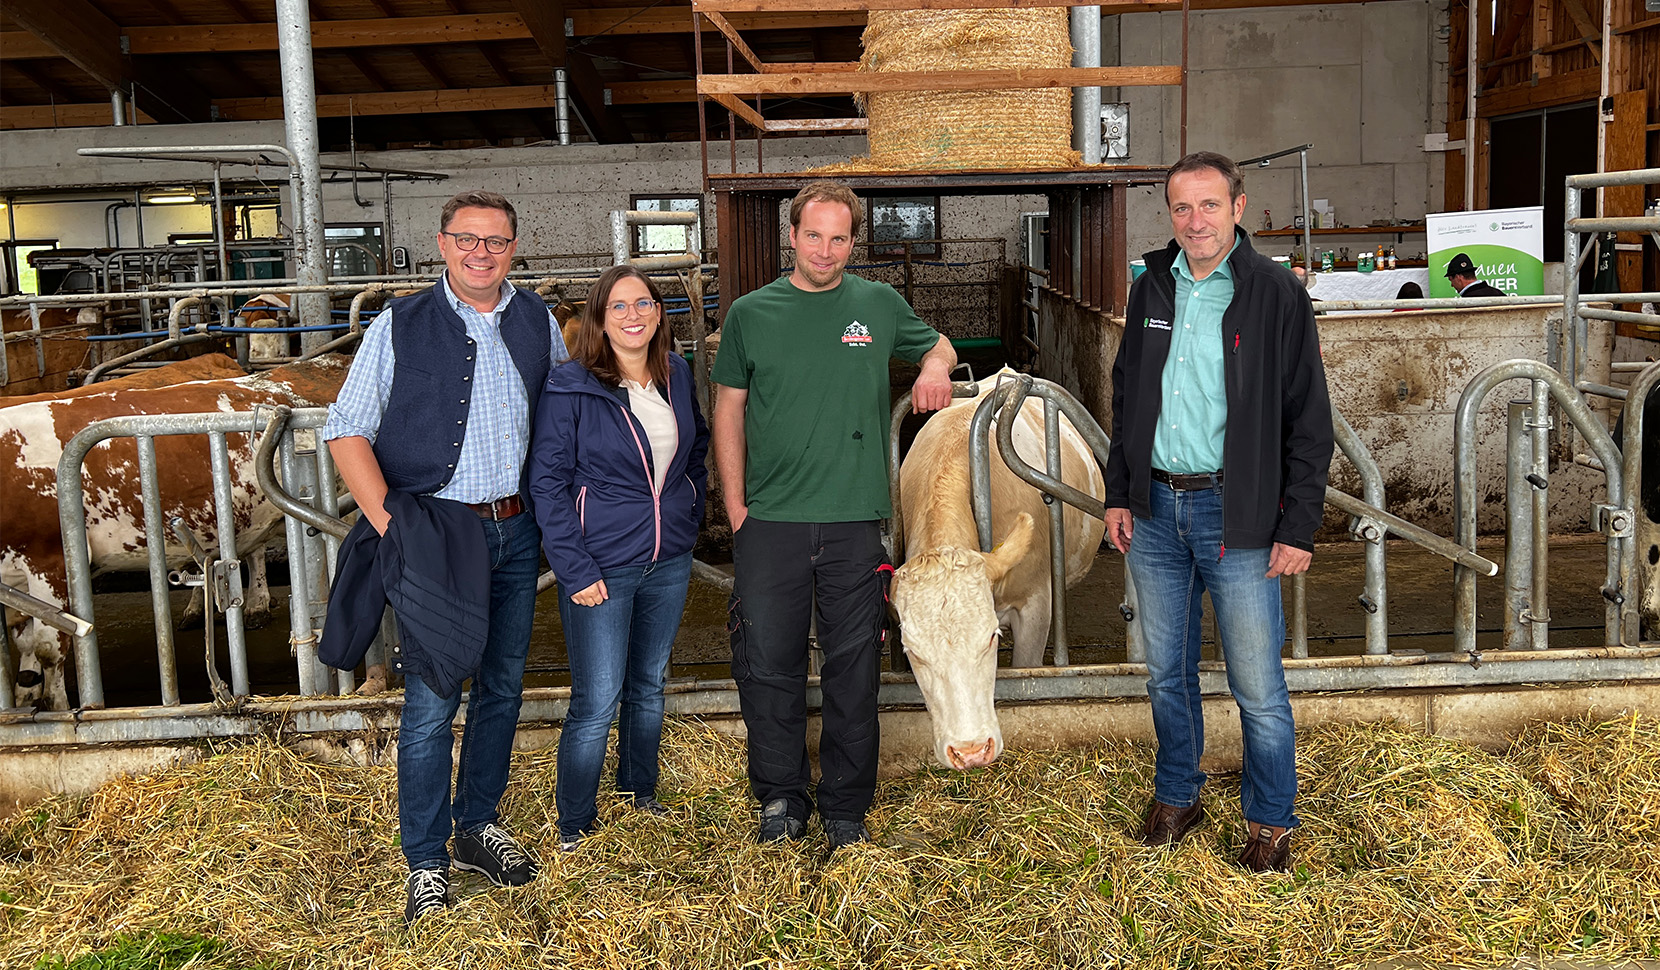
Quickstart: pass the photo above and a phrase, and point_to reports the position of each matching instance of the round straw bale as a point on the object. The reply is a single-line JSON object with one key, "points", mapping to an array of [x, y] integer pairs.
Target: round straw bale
{"points": [[1014, 128]]}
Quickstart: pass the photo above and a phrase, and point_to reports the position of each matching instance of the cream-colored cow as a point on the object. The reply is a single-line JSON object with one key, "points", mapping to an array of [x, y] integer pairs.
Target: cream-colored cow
{"points": [[952, 599]]}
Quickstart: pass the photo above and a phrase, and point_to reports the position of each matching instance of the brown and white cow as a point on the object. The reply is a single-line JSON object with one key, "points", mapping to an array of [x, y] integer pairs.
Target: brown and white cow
{"points": [[266, 310], [952, 599], [32, 437]]}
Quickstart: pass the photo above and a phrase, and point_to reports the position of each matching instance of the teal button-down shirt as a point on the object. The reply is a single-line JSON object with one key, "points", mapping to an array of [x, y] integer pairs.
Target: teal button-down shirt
{"points": [[1194, 413]]}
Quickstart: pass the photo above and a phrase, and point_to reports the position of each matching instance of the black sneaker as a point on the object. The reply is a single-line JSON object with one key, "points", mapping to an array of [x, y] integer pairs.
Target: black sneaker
{"points": [[651, 806], [776, 823], [495, 855], [844, 832], [429, 891]]}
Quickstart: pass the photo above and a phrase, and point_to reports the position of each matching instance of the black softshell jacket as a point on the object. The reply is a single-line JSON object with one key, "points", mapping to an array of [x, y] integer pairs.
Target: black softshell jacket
{"points": [[1277, 447]]}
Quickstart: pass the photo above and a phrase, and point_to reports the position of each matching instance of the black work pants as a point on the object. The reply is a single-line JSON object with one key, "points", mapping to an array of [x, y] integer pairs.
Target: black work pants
{"points": [[780, 565]]}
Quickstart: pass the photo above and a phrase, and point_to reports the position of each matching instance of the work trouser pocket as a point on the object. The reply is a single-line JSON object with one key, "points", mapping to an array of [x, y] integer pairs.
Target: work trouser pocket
{"points": [[738, 630]]}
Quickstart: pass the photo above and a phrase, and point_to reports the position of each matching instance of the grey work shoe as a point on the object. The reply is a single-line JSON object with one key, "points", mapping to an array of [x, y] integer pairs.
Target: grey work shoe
{"points": [[429, 892], [777, 824], [495, 855], [843, 832], [651, 806]]}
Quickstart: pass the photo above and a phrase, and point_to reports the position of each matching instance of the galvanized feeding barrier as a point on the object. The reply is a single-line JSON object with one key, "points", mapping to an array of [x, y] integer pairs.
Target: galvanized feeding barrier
{"points": [[300, 479]]}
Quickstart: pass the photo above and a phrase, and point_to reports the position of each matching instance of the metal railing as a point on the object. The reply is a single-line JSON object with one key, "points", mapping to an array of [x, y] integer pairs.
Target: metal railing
{"points": [[1574, 254]]}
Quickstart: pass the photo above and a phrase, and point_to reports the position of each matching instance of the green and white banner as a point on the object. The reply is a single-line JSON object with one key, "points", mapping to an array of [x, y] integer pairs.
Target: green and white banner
{"points": [[1507, 246]]}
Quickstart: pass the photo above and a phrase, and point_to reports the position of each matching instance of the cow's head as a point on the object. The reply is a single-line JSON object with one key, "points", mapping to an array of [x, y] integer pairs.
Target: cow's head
{"points": [[949, 622]]}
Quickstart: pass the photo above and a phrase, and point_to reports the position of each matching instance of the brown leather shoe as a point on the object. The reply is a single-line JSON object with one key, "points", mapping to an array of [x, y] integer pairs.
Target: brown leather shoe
{"points": [[1264, 853], [1167, 824]]}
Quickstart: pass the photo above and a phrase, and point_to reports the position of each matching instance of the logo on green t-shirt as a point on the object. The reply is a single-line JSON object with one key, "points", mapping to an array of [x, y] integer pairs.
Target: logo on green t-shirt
{"points": [[856, 335]]}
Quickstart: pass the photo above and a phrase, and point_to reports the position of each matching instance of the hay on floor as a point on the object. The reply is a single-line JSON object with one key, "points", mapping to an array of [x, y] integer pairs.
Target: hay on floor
{"points": [[1413, 847]]}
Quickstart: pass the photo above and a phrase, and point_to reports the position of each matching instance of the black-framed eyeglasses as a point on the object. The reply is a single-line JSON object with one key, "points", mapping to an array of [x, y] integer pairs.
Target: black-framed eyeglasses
{"points": [[642, 306], [467, 242]]}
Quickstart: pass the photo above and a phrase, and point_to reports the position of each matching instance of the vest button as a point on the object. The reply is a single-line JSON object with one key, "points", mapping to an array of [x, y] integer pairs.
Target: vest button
{"points": [[463, 400], [455, 444], [459, 422], [467, 378]]}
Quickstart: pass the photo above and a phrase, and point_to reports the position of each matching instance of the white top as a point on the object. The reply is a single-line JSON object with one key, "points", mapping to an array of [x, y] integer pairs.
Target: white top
{"points": [[658, 418]]}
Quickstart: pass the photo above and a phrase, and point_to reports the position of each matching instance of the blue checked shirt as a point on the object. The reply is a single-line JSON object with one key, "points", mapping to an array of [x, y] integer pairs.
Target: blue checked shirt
{"points": [[498, 422]]}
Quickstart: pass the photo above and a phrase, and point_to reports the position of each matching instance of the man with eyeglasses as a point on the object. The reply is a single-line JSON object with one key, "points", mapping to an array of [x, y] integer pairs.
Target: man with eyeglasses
{"points": [[470, 355], [800, 437]]}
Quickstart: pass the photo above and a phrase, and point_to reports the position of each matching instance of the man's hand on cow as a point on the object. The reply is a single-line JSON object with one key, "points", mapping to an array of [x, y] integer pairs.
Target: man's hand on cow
{"points": [[1287, 560], [1120, 526], [590, 596], [932, 389]]}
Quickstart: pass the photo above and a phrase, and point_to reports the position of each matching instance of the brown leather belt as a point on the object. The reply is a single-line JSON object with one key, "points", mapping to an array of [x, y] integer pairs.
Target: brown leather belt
{"points": [[501, 508], [1188, 483]]}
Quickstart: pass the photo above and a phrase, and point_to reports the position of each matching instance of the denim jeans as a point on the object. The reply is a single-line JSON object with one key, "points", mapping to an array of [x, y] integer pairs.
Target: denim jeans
{"points": [[619, 653], [426, 737], [1175, 557]]}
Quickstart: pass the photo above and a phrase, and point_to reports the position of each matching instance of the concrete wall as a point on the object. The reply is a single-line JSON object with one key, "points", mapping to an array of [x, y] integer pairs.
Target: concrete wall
{"points": [[1362, 82]]}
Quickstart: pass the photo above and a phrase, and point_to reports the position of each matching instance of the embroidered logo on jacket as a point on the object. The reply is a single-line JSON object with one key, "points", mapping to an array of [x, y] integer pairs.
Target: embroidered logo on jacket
{"points": [[1156, 324], [856, 334]]}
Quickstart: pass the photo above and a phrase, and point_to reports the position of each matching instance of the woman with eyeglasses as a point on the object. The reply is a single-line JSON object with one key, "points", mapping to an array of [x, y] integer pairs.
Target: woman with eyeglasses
{"points": [[618, 483]]}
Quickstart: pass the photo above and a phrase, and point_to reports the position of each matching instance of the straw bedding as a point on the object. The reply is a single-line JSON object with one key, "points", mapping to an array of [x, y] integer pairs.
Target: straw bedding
{"points": [[1412, 847], [1001, 129]]}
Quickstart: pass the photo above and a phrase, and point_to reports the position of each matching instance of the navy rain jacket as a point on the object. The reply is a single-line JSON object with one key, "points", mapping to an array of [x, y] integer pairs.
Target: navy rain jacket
{"points": [[591, 473]]}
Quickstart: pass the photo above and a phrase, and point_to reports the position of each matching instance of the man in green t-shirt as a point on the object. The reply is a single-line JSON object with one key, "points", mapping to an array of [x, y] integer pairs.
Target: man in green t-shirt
{"points": [[800, 436]]}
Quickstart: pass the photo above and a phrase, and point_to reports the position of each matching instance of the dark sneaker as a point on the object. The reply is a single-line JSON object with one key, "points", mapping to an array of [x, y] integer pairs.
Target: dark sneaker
{"points": [[651, 806], [844, 832], [1167, 824], [570, 843], [429, 892], [1265, 853], [495, 855], [776, 823]]}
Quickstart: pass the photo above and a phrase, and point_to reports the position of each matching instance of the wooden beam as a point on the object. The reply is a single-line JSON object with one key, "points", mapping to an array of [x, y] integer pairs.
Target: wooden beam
{"points": [[1592, 31], [653, 92], [1108, 7], [736, 41], [518, 98], [819, 124], [737, 107], [1548, 92], [673, 20], [61, 116], [1632, 28], [77, 30], [852, 83]]}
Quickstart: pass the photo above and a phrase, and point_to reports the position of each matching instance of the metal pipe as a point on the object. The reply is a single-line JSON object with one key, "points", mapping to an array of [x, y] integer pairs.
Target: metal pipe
{"points": [[118, 107], [1135, 650], [1086, 101], [1394, 524], [1470, 112], [1614, 223], [43, 611], [1375, 590], [300, 638], [1518, 533], [279, 496], [1570, 282], [155, 543], [1308, 218], [219, 225], [1631, 473], [1464, 479], [621, 247], [235, 637], [299, 108], [1057, 527], [561, 106], [1299, 616], [1539, 425]]}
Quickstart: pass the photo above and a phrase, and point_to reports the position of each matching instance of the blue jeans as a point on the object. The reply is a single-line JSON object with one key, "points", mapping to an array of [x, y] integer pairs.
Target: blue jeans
{"points": [[426, 813], [1175, 556], [619, 653]]}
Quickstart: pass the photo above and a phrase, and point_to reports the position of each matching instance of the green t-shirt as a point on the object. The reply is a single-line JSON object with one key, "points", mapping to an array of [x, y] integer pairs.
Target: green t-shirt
{"points": [[816, 368]]}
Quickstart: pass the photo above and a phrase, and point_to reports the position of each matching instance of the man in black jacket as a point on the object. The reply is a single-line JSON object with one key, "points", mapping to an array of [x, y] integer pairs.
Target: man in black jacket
{"points": [[1218, 374], [1461, 273]]}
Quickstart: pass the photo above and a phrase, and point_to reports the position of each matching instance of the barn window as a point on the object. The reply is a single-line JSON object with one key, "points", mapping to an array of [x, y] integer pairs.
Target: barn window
{"points": [[649, 240], [22, 272], [895, 222]]}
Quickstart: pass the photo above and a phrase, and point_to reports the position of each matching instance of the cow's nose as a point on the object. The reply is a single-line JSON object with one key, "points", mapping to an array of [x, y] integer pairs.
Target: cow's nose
{"points": [[972, 755]]}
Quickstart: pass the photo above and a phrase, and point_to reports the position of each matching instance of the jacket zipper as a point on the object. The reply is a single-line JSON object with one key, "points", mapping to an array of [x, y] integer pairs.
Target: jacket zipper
{"points": [[582, 508], [651, 486]]}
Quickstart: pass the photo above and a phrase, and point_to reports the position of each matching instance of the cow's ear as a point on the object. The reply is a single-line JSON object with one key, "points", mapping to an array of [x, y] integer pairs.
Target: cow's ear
{"points": [[1011, 550]]}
